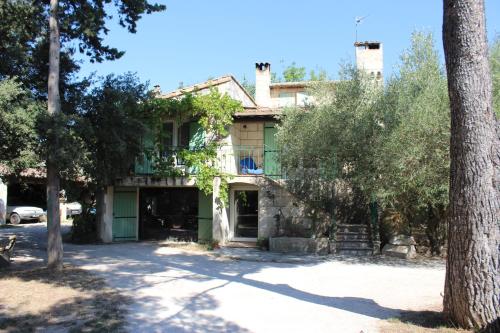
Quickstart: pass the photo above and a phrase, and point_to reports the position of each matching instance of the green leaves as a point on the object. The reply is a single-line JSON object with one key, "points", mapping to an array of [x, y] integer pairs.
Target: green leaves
{"points": [[18, 117], [391, 142], [294, 73], [214, 112], [111, 125]]}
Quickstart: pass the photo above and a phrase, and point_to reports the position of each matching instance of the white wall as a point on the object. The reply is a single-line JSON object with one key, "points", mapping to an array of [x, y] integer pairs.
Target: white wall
{"points": [[3, 202]]}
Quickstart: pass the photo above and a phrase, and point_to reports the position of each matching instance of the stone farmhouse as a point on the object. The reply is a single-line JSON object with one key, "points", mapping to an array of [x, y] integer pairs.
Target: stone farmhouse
{"points": [[142, 206]]}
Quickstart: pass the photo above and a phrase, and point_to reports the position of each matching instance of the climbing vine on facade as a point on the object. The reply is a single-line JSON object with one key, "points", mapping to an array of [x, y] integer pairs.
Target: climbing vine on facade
{"points": [[213, 113]]}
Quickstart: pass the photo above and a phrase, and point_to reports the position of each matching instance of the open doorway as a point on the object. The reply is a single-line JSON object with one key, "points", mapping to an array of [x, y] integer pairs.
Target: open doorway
{"points": [[244, 214], [168, 213]]}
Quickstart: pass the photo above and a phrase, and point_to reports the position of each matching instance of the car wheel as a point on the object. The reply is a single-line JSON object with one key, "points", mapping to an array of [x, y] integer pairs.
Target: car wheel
{"points": [[15, 218]]}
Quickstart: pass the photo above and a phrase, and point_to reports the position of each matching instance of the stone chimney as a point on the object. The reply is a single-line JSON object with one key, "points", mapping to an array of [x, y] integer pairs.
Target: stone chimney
{"points": [[262, 83], [370, 58], [157, 90]]}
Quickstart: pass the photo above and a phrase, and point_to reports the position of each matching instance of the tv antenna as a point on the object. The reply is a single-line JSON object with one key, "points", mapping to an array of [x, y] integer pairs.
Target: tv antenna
{"points": [[358, 20]]}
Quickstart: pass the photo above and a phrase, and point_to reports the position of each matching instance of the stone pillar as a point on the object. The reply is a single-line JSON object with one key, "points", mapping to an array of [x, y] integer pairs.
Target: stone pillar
{"points": [[220, 225], [62, 209], [3, 202], [106, 228]]}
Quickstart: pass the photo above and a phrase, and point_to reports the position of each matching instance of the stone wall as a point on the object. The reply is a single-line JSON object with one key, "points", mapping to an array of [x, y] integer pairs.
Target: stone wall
{"points": [[296, 219], [250, 140], [274, 201]]}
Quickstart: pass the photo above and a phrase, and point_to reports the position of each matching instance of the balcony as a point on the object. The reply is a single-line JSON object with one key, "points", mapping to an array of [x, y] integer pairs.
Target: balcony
{"points": [[249, 161], [145, 165], [232, 159]]}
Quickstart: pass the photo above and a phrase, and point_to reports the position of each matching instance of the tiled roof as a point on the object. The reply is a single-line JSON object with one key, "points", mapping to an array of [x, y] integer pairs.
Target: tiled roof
{"points": [[205, 85], [259, 112], [298, 84]]}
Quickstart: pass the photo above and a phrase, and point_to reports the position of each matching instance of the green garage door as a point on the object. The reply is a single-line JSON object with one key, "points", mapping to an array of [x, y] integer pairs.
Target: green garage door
{"points": [[204, 217], [125, 214]]}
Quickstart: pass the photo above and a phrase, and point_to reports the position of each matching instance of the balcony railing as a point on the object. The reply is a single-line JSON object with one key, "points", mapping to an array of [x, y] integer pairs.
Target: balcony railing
{"points": [[231, 159], [250, 160], [144, 165]]}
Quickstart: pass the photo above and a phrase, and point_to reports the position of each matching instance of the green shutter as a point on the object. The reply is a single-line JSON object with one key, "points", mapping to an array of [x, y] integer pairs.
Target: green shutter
{"points": [[196, 136], [143, 165], [125, 215], [272, 166], [196, 140], [204, 217]]}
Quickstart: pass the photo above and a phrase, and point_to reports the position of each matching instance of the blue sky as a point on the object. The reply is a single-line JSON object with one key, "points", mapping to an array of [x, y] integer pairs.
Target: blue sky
{"points": [[197, 39]]}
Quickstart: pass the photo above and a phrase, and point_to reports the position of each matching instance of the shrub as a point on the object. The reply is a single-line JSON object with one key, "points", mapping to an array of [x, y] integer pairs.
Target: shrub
{"points": [[84, 229], [263, 243]]}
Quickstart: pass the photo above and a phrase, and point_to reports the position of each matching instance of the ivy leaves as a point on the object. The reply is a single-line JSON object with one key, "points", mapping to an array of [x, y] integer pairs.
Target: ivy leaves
{"points": [[214, 113]]}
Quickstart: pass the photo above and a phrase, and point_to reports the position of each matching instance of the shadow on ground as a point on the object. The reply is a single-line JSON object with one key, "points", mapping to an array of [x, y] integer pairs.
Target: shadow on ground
{"points": [[147, 261], [132, 267]]}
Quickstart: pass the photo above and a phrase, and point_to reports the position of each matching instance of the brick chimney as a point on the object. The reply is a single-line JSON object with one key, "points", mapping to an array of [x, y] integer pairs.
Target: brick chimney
{"points": [[369, 57], [262, 83]]}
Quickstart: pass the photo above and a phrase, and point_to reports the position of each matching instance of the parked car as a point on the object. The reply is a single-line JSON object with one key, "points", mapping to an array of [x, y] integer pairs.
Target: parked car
{"points": [[73, 208], [15, 214]]}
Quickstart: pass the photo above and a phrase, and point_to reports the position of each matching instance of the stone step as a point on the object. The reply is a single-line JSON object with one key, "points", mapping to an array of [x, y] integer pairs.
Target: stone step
{"points": [[234, 244], [354, 228], [341, 236], [354, 244], [354, 252]]}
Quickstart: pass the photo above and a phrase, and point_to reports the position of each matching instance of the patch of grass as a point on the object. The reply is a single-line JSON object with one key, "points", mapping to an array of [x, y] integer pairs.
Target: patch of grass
{"points": [[72, 300], [420, 322]]}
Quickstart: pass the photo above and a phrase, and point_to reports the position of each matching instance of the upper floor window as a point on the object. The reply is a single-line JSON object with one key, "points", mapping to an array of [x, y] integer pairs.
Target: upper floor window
{"points": [[286, 98], [183, 135]]}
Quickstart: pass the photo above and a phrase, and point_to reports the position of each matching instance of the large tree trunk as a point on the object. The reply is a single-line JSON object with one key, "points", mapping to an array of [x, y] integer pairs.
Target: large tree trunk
{"points": [[472, 287], [54, 244]]}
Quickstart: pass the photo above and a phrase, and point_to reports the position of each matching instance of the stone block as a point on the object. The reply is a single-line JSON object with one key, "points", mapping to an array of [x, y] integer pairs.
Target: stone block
{"points": [[400, 251], [257, 135], [402, 240], [299, 245], [250, 127]]}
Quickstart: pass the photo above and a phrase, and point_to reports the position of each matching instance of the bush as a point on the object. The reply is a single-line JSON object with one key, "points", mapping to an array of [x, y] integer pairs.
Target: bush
{"points": [[263, 243], [84, 229]]}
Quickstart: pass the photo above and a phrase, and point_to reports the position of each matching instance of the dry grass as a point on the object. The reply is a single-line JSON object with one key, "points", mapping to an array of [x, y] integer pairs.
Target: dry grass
{"points": [[186, 246], [420, 322], [72, 300]]}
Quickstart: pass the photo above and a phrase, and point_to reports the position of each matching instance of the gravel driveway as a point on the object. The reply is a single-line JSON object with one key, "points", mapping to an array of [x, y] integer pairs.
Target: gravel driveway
{"points": [[178, 291]]}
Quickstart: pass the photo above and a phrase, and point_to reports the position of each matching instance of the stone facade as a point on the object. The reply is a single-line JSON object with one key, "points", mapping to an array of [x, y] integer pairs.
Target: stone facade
{"points": [[276, 207]]}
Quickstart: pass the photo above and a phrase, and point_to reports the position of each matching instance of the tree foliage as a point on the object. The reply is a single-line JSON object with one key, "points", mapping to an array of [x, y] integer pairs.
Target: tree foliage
{"points": [[389, 143], [214, 113], [111, 125], [18, 116], [294, 73], [413, 152]]}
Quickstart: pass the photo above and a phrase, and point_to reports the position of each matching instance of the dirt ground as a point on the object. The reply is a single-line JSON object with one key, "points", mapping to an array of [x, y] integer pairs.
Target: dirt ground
{"points": [[420, 322], [34, 299], [72, 300]]}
